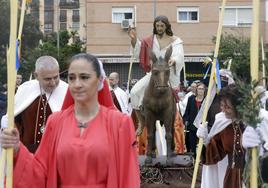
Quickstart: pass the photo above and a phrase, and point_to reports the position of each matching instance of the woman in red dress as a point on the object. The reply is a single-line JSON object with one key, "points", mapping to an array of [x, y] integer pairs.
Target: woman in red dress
{"points": [[85, 145]]}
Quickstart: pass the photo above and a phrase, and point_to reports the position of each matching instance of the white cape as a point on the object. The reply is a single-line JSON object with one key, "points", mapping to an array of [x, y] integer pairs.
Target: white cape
{"points": [[213, 175], [29, 91]]}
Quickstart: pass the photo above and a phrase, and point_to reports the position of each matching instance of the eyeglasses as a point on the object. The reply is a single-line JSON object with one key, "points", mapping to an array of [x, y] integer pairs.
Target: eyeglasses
{"points": [[197, 81]]}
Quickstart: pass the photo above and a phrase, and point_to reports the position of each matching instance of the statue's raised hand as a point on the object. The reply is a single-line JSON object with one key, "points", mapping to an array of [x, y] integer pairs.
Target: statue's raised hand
{"points": [[132, 33]]}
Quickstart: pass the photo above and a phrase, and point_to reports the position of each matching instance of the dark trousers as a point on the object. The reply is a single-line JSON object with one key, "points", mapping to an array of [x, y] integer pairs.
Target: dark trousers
{"points": [[191, 141]]}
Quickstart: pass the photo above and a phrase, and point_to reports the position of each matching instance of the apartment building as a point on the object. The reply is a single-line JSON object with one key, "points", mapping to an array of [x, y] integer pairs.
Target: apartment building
{"points": [[194, 21], [68, 15]]}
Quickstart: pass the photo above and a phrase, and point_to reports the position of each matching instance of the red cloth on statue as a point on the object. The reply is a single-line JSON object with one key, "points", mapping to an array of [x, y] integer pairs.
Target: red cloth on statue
{"points": [[146, 47], [104, 156], [104, 97]]}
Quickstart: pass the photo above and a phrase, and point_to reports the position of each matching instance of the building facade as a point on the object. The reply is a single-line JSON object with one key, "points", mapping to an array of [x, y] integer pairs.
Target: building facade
{"points": [[103, 24], [55, 15], [194, 21]]}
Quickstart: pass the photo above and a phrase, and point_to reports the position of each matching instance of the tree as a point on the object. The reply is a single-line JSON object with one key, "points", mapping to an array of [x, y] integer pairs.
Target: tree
{"points": [[34, 44], [238, 49], [4, 29], [31, 36], [66, 48]]}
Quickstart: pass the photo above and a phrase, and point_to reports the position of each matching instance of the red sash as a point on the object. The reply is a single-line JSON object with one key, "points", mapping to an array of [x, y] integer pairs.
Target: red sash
{"points": [[146, 46]]}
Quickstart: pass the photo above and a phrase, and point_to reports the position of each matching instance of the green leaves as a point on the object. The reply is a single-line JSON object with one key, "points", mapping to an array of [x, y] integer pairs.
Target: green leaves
{"points": [[249, 103]]}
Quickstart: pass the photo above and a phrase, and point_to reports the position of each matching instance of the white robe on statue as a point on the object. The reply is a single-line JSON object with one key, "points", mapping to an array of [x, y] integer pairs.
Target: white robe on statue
{"points": [[137, 92]]}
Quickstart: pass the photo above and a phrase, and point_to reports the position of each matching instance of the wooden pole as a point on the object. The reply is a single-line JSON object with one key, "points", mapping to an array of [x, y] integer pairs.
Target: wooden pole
{"points": [[254, 72], [3, 165], [211, 80], [263, 65], [132, 53], [184, 75], [11, 69], [22, 15], [4, 151]]}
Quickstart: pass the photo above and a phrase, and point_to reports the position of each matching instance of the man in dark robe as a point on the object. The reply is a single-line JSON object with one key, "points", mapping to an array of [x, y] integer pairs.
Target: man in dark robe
{"points": [[36, 99]]}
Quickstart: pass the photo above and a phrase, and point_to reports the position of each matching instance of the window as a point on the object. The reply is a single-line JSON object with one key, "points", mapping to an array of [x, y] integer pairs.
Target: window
{"points": [[76, 26], [76, 12], [63, 15], [119, 14], [188, 14], [48, 3], [48, 16], [76, 17], [63, 26], [238, 16], [48, 27]]}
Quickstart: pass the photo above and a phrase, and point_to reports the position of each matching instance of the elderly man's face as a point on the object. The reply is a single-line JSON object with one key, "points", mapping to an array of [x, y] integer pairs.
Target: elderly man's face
{"points": [[48, 79], [193, 87], [113, 80]]}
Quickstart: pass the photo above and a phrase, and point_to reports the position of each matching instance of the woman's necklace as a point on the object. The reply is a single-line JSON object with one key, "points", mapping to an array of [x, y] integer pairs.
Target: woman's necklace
{"points": [[84, 124]]}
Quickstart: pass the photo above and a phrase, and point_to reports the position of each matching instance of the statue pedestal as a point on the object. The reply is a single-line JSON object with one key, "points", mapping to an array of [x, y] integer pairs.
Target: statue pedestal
{"points": [[177, 173]]}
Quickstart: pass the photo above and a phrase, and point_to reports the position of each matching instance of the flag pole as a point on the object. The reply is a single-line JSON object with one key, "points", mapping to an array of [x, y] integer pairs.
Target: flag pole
{"points": [[132, 54], [263, 65], [211, 80], [254, 72], [22, 15]]}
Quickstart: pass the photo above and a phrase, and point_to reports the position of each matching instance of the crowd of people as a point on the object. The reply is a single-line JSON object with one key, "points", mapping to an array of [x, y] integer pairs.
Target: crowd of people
{"points": [[80, 133]]}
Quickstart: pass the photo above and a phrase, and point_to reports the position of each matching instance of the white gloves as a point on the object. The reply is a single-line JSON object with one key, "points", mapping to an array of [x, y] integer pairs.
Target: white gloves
{"points": [[202, 132], [250, 138], [263, 131]]}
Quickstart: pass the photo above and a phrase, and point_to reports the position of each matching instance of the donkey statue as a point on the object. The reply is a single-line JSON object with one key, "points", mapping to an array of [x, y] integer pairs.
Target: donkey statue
{"points": [[158, 104]]}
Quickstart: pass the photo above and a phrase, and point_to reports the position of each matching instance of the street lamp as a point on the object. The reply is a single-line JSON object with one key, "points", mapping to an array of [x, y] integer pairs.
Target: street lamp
{"points": [[57, 23], [154, 8]]}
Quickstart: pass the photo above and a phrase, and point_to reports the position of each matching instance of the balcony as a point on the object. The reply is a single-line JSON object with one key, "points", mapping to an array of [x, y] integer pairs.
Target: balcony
{"points": [[76, 18], [69, 4]]}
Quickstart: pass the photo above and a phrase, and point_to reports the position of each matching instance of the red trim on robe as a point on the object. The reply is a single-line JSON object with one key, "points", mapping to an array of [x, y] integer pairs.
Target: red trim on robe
{"points": [[146, 46]]}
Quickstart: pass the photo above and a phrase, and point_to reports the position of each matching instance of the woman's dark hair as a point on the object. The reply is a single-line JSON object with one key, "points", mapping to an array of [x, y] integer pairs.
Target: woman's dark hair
{"points": [[163, 19], [90, 59], [231, 93]]}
